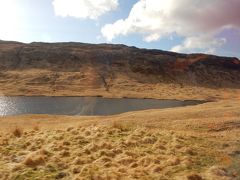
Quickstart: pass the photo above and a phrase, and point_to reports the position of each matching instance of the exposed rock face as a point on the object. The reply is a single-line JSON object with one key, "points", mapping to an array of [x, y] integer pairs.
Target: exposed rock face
{"points": [[107, 67]]}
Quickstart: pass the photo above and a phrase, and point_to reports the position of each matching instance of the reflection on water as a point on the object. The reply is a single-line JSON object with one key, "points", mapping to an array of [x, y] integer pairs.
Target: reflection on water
{"points": [[82, 105]]}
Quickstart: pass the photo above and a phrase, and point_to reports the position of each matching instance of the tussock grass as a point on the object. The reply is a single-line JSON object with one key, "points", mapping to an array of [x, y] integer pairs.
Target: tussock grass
{"points": [[123, 126], [36, 127], [34, 160], [17, 131], [118, 151]]}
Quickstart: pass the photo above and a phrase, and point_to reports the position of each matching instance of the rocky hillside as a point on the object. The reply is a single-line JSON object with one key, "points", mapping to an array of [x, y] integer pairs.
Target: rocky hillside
{"points": [[87, 69]]}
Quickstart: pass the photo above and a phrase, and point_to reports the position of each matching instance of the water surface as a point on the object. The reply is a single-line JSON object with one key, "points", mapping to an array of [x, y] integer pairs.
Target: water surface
{"points": [[82, 105]]}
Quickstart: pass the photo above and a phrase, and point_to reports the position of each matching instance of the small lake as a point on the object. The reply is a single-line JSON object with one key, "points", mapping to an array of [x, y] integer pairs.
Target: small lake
{"points": [[82, 105]]}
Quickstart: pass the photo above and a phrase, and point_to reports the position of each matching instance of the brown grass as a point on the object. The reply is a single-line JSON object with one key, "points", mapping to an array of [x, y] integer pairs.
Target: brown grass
{"points": [[36, 128], [121, 125], [175, 143], [34, 160], [17, 131], [194, 177], [30, 84], [135, 153]]}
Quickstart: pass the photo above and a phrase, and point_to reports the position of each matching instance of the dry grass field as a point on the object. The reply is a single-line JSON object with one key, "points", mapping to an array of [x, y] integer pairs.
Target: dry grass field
{"points": [[198, 142]]}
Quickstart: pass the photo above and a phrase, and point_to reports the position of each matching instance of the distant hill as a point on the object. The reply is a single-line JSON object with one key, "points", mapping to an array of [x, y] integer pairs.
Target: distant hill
{"points": [[64, 68]]}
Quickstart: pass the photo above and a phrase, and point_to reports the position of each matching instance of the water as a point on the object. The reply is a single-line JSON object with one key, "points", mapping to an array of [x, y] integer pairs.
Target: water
{"points": [[82, 105]]}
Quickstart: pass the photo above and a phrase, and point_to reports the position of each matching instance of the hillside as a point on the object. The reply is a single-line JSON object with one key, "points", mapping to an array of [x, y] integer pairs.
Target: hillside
{"points": [[77, 69], [190, 143]]}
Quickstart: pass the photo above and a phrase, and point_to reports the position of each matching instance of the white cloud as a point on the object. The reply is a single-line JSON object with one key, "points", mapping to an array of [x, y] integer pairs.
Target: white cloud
{"points": [[91, 9], [198, 20], [152, 37], [205, 44]]}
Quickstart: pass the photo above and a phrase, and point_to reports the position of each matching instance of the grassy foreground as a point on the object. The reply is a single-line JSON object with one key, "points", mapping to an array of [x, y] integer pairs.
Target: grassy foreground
{"points": [[117, 152], [194, 143]]}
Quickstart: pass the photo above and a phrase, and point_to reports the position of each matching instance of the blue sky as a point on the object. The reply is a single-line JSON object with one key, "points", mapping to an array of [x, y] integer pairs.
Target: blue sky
{"points": [[158, 24]]}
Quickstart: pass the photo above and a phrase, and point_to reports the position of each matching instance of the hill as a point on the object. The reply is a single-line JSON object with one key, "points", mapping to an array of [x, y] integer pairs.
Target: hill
{"points": [[77, 69]]}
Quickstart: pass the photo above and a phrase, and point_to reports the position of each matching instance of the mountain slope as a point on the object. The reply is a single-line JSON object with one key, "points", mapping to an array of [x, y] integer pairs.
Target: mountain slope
{"points": [[105, 69]]}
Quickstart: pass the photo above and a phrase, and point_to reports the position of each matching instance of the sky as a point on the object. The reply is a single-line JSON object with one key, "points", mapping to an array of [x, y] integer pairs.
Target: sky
{"points": [[186, 26]]}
